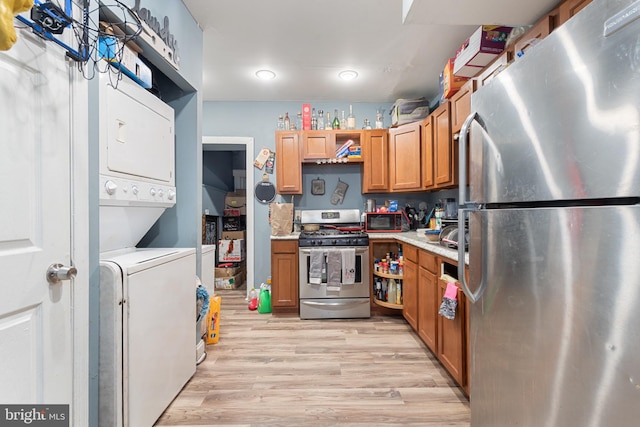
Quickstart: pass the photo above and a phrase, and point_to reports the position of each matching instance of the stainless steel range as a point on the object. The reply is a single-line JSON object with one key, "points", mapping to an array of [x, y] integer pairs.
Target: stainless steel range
{"points": [[334, 266]]}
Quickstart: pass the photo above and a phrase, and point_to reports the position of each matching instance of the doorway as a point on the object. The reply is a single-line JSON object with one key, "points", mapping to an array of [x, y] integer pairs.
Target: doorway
{"points": [[236, 144]]}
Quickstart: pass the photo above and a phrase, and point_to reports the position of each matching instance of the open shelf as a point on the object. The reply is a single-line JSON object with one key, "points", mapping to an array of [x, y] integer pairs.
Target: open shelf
{"points": [[387, 275], [387, 304]]}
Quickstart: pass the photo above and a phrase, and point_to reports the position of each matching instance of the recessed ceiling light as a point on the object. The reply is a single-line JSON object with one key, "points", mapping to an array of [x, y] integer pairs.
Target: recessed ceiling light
{"points": [[347, 75], [265, 74]]}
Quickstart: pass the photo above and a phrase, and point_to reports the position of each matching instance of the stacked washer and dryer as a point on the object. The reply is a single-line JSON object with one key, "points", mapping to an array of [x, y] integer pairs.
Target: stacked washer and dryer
{"points": [[147, 295]]}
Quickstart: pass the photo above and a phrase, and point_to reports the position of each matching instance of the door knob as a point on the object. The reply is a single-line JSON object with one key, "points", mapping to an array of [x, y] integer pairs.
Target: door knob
{"points": [[58, 272]]}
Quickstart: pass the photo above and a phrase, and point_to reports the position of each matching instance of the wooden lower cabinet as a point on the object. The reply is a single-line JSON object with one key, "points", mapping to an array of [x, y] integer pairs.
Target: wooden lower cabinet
{"points": [[428, 300], [410, 286], [452, 337], [284, 276]]}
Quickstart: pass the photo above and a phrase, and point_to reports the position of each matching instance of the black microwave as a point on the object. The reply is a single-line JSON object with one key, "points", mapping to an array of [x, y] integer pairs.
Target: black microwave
{"points": [[388, 222]]}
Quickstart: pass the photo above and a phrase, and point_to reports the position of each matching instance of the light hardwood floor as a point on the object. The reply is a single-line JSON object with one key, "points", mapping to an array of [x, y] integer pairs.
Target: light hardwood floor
{"points": [[283, 371]]}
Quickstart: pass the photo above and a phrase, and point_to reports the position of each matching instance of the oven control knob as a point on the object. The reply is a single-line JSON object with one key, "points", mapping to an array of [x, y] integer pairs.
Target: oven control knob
{"points": [[171, 194], [334, 242], [160, 193], [110, 187], [152, 192], [134, 189]]}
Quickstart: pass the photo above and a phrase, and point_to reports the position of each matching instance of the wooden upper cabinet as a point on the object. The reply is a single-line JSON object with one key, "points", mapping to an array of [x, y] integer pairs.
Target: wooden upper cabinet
{"points": [[427, 153], [404, 152], [538, 32], [445, 151], [318, 144], [495, 67], [288, 166], [461, 105], [569, 8], [375, 156]]}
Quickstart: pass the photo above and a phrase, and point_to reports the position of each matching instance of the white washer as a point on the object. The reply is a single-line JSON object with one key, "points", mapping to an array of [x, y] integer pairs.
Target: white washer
{"points": [[147, 299]]}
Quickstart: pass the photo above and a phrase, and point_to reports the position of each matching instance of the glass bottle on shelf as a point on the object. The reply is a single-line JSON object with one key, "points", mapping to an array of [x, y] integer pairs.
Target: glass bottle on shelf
{"points": [[327, 124], [287, 121], [336, 120], [314, 119], [351, 120], [367, 124], [280, 123], [343, 121], [320, 119], [379, 119], [299, 121]]}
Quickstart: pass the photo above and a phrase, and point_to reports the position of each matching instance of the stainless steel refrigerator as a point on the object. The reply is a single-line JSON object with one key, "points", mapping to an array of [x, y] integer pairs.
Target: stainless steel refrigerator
{"points": [[554, 218]]}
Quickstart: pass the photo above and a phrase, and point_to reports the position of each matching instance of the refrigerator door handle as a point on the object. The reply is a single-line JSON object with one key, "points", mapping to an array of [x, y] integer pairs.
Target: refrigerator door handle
{"points": [[462, 159], [465, 206]]}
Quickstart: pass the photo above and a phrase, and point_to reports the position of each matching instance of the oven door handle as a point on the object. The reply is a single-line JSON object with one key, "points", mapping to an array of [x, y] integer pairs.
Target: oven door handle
{"points": [[359, 251], [334, 304]]}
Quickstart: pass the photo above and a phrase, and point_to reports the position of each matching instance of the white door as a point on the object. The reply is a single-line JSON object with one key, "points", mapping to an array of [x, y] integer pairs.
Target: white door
{"points": [[35, 317]]}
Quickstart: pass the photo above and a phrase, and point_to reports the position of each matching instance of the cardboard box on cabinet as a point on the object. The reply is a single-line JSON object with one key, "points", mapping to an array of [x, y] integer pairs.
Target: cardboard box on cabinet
{"points": [[450, 82], [487, 42]]}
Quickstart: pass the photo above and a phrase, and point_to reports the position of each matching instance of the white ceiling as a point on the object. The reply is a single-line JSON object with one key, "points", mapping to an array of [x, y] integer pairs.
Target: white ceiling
{"points": [[308, 42]]}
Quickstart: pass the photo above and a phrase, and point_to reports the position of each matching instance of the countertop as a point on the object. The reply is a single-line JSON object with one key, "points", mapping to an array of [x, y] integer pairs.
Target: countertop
{"points": [[418, 239], [414, 237]]}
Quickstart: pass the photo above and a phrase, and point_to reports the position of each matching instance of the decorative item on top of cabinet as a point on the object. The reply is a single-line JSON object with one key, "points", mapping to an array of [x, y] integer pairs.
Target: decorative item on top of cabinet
{"points": [[288, 166], [375, 157], [284, 276], [404, 155], [569, 8]]}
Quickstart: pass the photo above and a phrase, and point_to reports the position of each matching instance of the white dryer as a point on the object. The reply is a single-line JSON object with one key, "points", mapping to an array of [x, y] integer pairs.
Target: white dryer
{"points": [[147, 314]]}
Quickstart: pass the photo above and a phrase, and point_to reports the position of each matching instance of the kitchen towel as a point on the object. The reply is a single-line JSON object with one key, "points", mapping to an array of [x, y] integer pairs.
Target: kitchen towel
{"points": [[334, 270], [449, 302], [348, 266], [316, 261]]}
